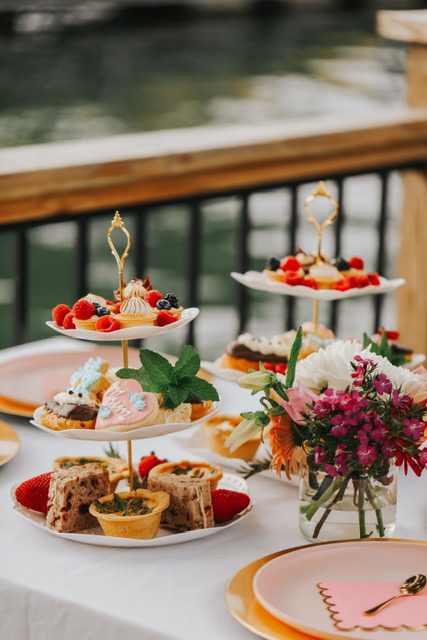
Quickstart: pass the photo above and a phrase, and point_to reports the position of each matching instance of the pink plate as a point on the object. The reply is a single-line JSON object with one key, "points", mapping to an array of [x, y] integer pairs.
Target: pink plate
{"points": [[287, 585]]}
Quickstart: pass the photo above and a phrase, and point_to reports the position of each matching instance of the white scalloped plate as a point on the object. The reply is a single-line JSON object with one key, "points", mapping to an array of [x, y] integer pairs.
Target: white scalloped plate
{"points": [[257, 280], [113, 436], [132, 333], [165, 537]]}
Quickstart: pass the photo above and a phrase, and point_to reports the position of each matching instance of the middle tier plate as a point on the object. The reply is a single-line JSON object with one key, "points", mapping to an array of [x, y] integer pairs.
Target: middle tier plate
{"points": [[257, 280], [142, 433], [131, 333]]}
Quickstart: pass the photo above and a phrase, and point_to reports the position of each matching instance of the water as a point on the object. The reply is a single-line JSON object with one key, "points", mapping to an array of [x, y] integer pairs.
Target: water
{"points": [[342, 523], [110, 78]]}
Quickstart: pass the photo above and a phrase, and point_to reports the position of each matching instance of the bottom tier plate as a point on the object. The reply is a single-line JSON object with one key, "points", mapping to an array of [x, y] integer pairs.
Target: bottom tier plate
{"points": [[165, 537]]}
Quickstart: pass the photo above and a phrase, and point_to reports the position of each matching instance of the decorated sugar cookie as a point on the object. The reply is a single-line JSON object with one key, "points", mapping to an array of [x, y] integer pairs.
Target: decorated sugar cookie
{"points": [[126, 407]]}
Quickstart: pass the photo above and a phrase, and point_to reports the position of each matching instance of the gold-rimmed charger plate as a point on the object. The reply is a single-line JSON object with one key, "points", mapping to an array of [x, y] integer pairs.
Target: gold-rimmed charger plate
{"points": [[245, 608], [9, 443]]}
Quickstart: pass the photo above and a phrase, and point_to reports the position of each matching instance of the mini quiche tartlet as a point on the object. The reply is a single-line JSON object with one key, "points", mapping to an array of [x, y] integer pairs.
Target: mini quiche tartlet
{"points": [[191, 470], [218, 428], [131, 514], [117, 469]]}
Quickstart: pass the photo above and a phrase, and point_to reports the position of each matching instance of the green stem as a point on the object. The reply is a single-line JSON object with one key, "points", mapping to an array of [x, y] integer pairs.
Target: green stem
{"points": [[327, 512], [326, 495], [378, 513], [360, 485]]}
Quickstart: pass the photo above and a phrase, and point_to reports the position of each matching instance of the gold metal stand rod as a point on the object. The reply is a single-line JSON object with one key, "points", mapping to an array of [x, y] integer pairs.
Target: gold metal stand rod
{"points": [[130, 465], [315, 315]]}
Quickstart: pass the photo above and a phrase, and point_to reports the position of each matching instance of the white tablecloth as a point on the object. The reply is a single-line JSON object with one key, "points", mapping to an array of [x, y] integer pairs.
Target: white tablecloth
{"points": [[52, 588]]}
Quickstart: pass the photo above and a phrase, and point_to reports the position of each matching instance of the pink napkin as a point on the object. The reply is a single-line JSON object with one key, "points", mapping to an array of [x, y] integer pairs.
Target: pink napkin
{"points": [[348, 600]]}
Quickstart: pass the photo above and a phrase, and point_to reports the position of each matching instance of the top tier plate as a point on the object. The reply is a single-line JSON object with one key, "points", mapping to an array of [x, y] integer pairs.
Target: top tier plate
{"points": [[257, 280], [131, 333]]}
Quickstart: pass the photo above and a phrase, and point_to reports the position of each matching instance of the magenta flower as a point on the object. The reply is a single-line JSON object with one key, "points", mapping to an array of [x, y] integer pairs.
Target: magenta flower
{"points": [[380, 433], [338, 468], [413, 428], [319, 455], [400, 402], [389, 449], [366, 454], [423, 457], [382, 384], [340, 426]]}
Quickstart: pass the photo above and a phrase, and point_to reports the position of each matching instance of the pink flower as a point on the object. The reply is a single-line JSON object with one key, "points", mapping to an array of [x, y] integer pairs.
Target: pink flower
{"points": [[319, 455], [299, 398], [366, 454], [389, 449], [338, 468]]}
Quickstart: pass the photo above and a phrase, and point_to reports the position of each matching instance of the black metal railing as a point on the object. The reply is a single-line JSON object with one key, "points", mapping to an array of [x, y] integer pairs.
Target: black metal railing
{"points": [[141, 215]]}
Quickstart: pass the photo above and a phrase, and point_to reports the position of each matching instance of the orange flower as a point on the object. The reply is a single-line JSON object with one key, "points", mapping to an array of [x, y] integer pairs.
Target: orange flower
{"points": [[286, 454]]}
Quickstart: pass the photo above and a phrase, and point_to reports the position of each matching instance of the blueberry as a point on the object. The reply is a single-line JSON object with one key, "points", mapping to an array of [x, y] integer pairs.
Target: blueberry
{"points": [[102, 311], [96, 304], [340, 263], [163, 304], [273, 264], [172, 299]]}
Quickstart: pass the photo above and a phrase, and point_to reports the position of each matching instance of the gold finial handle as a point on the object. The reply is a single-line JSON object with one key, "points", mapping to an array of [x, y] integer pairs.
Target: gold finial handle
{"points": [[118, 223], [320, 191]]}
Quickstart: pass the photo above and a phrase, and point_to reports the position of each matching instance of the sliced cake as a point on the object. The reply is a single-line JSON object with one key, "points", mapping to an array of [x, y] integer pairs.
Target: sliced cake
{"points": [[190, 501], [71, 492]]}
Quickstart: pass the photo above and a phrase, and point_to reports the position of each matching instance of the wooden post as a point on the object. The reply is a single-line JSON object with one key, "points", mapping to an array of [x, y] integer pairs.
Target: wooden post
{"points": [[411, 27]]}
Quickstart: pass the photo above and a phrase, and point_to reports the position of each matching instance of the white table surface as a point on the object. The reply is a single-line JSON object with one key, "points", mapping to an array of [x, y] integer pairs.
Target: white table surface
{"points": [[54, 589]]}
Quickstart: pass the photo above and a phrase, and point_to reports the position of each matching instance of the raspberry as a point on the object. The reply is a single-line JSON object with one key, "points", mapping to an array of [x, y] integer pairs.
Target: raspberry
{"points": [[310, 282], [33, 493], [226, 504], [290, 264], [107, 324], [355, 262], [152, 297], [374, 279], [292, 278], [362, 281], [282, 368], [342, 285], [59, 312], [147, 463], [269, 366], [166, 317], [83, 310], [69, 321]]}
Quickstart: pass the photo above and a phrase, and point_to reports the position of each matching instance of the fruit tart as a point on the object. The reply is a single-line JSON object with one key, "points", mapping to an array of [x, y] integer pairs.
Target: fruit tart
{"points": [[308, 271]]}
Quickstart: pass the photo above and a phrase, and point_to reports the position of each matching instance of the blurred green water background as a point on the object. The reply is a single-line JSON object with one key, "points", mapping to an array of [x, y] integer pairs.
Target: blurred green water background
{"points": [[100, 79]]}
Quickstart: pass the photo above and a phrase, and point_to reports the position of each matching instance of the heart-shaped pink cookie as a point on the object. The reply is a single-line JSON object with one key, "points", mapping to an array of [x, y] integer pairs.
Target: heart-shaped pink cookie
{"points": [[125, 407]]}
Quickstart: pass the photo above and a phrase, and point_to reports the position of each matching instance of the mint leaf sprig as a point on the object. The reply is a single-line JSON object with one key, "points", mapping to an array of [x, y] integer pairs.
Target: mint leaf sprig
{"points": [[176, 383], [383, 348]]}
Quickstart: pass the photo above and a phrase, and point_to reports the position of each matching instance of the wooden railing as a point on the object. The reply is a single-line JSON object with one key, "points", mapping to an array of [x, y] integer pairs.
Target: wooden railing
{"points": [[63, 180]]}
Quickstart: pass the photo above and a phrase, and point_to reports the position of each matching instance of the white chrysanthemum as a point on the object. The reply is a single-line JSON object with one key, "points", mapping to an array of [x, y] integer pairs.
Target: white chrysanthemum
{"points": [[331, 367]]}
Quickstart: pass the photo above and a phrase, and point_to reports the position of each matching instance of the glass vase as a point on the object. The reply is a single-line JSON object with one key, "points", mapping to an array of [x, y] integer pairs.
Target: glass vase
{"points": [[344, 508]]}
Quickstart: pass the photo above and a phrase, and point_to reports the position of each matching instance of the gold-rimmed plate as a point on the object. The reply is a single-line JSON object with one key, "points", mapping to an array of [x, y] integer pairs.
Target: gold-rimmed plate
{"points": [[9, 443], [243, 605]]}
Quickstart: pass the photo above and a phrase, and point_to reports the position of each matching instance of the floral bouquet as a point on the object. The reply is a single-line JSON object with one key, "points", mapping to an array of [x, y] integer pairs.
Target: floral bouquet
{"points": [[355, 416]]}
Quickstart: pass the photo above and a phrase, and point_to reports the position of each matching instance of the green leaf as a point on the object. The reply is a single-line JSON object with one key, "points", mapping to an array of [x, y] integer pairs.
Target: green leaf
{"points": [[157, 368], [201, 388], [176, 396], [141, 376], [293, 358], [188, 363]]}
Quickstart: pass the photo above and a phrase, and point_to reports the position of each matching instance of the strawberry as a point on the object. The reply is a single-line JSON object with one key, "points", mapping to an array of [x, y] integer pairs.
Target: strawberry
{"points": [[107, 324], [374, 279], [166, 317], [59, 312], [227, 504], [147, 463], [391, 335], [33, 493], [362, 281], [152, 297], [292, 278], [290, 264], [83, 310], [355, 262], [69, 321]]}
